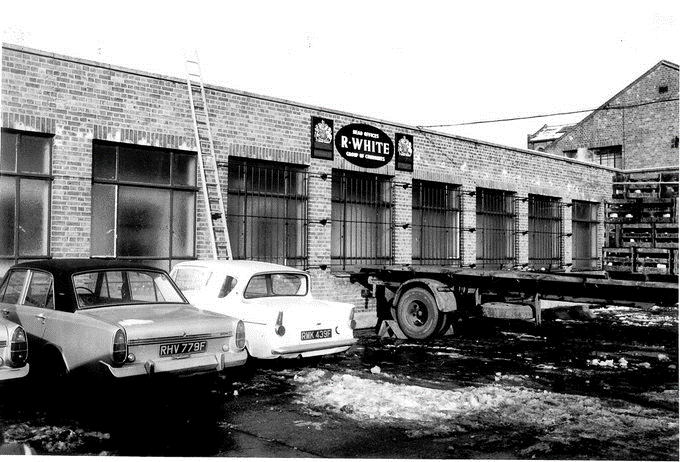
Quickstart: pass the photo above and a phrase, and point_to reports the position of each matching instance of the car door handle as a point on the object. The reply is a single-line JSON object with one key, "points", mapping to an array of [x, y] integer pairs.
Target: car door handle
{"points": [[41, 317], [5, 312]]}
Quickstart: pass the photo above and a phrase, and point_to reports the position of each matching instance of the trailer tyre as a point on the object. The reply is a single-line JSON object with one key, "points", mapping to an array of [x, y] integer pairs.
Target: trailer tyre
{"points": [[418, 315]]}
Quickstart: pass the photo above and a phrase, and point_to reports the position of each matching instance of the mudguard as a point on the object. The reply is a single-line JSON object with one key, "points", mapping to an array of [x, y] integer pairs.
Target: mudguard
{"points": [[446, 301]]}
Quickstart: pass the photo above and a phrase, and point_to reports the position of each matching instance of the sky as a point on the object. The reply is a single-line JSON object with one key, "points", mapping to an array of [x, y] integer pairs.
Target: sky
{"points": [[415, 63]]}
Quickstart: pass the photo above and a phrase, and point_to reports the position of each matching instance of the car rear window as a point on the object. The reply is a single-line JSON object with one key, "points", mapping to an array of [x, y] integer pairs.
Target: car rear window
{"points": [[191, 278], [276, 285], [105, 288]]}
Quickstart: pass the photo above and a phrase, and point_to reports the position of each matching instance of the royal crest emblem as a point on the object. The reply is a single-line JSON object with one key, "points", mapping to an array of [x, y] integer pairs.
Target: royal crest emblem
{"points": [[404, 147], [323, 133]]}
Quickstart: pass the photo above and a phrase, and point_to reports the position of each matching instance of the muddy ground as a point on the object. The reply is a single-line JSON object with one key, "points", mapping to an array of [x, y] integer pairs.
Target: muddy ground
{"points": [[601, 388]]}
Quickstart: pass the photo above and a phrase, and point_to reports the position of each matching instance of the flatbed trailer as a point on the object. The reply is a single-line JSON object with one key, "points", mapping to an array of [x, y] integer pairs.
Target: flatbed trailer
{"points": [[423, 301]]}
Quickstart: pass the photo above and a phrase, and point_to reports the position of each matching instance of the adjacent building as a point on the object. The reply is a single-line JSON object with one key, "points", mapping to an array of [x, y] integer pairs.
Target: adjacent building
{"points": [[101, 161], [636, 128]]}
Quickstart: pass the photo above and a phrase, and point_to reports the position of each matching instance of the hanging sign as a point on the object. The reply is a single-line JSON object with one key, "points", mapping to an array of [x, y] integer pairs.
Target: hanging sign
{"points": [[364, 146]]}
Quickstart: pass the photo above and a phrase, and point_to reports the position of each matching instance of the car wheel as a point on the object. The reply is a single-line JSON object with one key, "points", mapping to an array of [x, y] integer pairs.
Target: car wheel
{"points": [[418, 315]]}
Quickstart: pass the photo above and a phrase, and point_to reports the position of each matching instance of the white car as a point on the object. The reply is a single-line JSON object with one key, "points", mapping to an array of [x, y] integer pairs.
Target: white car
{"points": [[13, 350], [282, 318]]}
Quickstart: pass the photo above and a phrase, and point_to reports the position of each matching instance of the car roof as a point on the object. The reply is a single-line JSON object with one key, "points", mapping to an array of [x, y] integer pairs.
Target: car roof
{"points": [[240, 266], [68, 266]]}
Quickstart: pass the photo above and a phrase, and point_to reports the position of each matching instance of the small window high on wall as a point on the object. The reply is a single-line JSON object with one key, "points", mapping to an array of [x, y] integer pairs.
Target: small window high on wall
{"points": [[436, 224], [143, 203], [361, 216], [25, 190]]}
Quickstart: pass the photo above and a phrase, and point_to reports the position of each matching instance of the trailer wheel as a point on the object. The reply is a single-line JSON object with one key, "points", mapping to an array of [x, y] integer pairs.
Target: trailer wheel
{"points": [[418, 315]]}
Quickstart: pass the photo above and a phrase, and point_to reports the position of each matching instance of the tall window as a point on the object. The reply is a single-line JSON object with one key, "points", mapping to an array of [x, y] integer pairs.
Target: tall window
{"points": [[361, 216], [436, 224], [584, 235], [609, 155], [267, 212], [143, 203], [545, 232], [495, 228], [25, 182]]}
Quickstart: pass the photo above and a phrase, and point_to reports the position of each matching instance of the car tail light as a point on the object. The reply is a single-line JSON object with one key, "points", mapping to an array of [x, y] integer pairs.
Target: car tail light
{"points": [[352, 322], [240, 335], [119, 348], [279, 329], [18, 351]]}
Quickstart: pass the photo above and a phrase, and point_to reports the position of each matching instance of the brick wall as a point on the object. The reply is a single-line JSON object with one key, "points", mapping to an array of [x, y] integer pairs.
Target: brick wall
{"points": [[645, 130], [79, 100]]}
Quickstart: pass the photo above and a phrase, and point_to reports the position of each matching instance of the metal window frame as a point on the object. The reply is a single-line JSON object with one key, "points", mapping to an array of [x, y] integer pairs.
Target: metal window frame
{"points": [[243, 246], [553, 222], [117, 183], [431, 255], [507, 254], [377, 185], [19, 175]]}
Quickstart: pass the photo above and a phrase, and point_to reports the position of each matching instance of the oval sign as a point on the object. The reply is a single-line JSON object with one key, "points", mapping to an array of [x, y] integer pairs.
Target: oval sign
{"points": [[364, 146]]}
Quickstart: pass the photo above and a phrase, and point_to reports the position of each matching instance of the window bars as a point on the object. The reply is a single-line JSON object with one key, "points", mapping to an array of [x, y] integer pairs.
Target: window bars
{"points": [[267, 212], [361, 216], [436, 224], [496, 225], [545, 232]]}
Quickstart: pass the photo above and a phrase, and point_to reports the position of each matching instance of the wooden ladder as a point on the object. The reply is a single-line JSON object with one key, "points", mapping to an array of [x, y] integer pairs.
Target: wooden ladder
{"points": [[207, 164]]}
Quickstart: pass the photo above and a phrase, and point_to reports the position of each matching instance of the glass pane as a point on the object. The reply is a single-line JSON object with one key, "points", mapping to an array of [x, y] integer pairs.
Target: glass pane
{"points": [[184, 169], [34, 154], [14, 286], [34, 198], [102, 234], [104, 162], [144, 166], [289, 284], [39, 290], [143, 222], [7, 211], [8, 153], [192, 279], [183, 223]]}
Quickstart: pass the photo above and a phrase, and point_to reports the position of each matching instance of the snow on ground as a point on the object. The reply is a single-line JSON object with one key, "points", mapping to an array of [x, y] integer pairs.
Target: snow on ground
{"points": [[558, 418], [629, 316]]}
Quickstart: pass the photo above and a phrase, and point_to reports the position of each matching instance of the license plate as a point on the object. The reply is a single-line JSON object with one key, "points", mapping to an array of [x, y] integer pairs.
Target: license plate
{"points": [[182, 348], [316, 334]]}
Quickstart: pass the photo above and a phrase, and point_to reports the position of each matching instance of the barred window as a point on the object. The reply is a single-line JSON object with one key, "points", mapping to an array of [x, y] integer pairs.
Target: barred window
{"points": [[436, 224], [361, 216], [143, 203], [545, 232], [25, 190], [584, 235], [267, 212], [495, 228], [611, 156]]}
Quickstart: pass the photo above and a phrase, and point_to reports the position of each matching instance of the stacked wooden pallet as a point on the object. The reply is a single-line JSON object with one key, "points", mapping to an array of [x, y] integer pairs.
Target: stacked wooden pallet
{"points": [[641, 224]]}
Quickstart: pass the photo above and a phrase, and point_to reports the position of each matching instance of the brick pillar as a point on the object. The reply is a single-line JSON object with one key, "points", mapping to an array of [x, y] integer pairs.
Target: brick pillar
{"points": [[567, 234], [468, 203], [522, 230], [402, 215], [319, 209]]}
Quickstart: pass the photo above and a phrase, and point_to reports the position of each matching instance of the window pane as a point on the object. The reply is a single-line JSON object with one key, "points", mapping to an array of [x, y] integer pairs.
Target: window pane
{"points": [[33, 217], [8, 155], [183, 223], [7, 211], [144, 166], [102, 235], [14, 286], [143, 222], [104, 162], [34, 154], [39, 290], [184, 169]]}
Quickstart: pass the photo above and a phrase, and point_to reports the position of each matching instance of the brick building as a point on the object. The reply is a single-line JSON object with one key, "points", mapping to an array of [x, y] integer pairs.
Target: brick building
{"points": [[637, 128], [100, 161]]}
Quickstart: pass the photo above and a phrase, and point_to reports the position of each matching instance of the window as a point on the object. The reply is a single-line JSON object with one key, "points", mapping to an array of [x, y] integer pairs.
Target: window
{"points": [[25, 189], [276, 285], [12, 286], [663, 89], [267, 212], [143, 203], [570, 153], [545, 232], [495, 228], [40, 290], [674, 143], [108, 288], [584, 235], [436, 223], [361, 219], [610, 156]]}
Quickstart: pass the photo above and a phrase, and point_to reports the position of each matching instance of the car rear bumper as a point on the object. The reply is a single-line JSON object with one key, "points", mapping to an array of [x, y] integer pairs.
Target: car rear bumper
{"points": [[180, 366], [315, 346], [8, 373]]}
